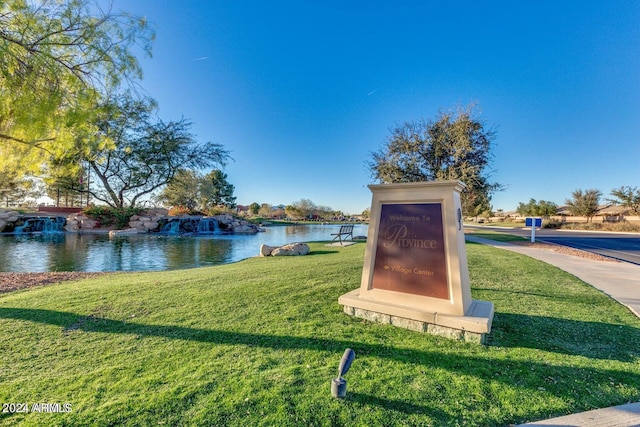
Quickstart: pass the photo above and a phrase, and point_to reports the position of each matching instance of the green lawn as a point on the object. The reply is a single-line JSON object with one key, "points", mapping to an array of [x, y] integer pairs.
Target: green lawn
{"points": [[501, 224], [495, 235], [257, 343]]}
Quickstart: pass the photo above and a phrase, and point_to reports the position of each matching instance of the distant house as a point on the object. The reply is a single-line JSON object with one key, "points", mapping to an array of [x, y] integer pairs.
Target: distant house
{"points": [[608, 213], [613, 213], [613, 210]]}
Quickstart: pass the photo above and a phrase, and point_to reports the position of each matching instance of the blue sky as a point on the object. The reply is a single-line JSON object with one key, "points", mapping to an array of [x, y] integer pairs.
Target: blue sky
{"points": [[302, 91]]}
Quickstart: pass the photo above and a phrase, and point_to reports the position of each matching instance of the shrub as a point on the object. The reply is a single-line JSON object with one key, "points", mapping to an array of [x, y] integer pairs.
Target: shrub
{"points": [[221, 210], [623, 226], [582, 226], [179, 211], [184, 211], [108, 216], [552, 223], [592, 226]]}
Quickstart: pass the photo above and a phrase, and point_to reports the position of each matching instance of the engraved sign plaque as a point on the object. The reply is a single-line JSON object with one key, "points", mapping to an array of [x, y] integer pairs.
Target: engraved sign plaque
{"points": [[410, 252]]}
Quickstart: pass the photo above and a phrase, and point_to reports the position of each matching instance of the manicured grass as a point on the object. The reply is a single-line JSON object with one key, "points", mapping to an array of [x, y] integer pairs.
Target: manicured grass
{"points": [[502, 224], [257, 343], [494, 235]]}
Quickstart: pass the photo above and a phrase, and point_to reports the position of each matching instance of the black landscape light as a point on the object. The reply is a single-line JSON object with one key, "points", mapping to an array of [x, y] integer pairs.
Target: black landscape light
{"points": [[339, 384]]}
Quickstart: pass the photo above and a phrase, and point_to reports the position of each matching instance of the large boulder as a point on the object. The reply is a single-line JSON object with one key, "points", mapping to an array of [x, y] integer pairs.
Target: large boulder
{"points": [[265, 250], [245, 228], [136, 224], [126, 232], [292, 249], [152, 220], [7, 215], [150, 225], [87, 223]]}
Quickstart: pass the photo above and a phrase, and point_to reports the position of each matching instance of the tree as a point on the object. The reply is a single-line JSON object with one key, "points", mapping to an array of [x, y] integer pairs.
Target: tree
{"points": [[14, 191], [627, 197], [476, 204], [304, 208], [534, 208], [266, 210], [451, 147], [324, 212], [56, 57], [584, 203], [293, 212], [71, 188], [215, 190], [182, 190], [254, 208], [278, 212], [144, 153], [194, 191]]}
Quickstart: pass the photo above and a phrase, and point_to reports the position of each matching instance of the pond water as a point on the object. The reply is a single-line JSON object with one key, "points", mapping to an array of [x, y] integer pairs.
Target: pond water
{"points": [[146, 252]]}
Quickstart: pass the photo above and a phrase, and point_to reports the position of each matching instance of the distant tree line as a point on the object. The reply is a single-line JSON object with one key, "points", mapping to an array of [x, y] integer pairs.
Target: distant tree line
{"points": [[585, 203], [537, 208], [303, 209]]}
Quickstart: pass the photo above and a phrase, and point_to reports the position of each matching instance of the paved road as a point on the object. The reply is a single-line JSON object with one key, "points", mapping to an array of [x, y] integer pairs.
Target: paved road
{"points": [[625, 247]]}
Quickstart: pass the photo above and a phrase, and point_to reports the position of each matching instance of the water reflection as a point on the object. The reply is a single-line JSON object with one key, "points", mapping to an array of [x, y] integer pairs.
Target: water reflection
{"points": [[96, 252]]}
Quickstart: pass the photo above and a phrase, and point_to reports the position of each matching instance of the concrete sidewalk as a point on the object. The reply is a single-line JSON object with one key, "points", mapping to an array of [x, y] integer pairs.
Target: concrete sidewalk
{"points": [[617, 416], [619, 280]]}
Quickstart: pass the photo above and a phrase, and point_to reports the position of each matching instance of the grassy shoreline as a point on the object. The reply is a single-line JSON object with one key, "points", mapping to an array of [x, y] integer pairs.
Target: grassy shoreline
{"points": [[257, 343]]}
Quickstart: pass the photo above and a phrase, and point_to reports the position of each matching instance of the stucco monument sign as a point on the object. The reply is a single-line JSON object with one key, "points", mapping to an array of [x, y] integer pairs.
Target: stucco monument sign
{"points": [[415, 271]]}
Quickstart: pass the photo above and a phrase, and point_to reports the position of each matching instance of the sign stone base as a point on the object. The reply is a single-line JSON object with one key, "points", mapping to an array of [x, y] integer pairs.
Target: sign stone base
{"points": [[472, 327]]}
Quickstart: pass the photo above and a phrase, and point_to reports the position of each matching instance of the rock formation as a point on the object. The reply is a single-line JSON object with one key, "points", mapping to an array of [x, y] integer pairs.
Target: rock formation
{"points": [[292, 249], [151, 221]]}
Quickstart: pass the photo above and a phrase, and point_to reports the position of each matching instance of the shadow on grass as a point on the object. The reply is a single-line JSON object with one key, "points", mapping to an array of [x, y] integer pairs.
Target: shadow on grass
{"points": [[323, 252], [588, 339], [571, 337], [559, 297], [396, 405], [586, 387]]}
